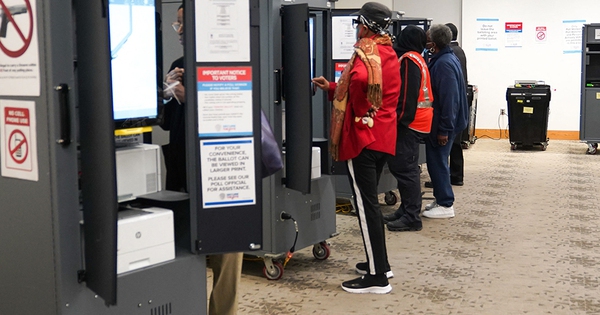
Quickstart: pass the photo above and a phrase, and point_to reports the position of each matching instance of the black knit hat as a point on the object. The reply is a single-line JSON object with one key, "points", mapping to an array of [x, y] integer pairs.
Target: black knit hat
{"points": [[376, 13]]}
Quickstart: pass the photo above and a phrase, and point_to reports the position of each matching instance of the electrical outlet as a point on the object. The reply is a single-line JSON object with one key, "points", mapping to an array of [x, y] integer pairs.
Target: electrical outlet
{"points": [[502, 112]]}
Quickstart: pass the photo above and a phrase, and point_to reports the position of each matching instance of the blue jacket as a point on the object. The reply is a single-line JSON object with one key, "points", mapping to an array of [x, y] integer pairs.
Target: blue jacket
{"points": [[450, 107]]}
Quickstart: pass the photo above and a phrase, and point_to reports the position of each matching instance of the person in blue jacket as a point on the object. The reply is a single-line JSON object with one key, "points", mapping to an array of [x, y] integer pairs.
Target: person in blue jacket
{"points": [[450, 117]]}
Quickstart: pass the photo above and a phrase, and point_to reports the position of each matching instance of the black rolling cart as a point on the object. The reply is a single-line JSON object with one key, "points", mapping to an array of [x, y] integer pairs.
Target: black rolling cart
{"points": [[467, 137], [528, 109]]}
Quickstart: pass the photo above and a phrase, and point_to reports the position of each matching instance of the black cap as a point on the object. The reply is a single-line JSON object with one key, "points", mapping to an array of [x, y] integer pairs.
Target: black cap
{"points": [[376, 13], [453, 29]]}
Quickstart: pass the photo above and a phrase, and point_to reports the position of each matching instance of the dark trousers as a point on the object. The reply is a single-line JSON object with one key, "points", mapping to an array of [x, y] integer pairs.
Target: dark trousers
{"points": [[457, 161], [365, 171], [405, 168]]}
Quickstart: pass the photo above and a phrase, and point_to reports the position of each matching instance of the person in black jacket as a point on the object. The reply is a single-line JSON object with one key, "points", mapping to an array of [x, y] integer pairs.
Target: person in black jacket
{"points": [[173, 119], [457, 161], [414, 114]]}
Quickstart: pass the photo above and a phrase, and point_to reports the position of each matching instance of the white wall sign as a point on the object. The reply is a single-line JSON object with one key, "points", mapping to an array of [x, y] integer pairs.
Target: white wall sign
{"points": [[18, 139], [227, 172], [513, 32], [222, 30], [19, 56], [541, 34], [572, 36], [224, 101], [487, 34]]}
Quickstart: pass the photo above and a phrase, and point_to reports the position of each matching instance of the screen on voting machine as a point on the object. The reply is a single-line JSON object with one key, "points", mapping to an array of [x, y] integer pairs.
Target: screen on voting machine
{"points": [[134, 67]]}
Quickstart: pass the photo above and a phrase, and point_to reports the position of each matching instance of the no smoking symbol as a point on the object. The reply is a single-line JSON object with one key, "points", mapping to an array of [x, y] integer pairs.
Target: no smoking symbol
{"points": [[17, 146], [541, 35]]}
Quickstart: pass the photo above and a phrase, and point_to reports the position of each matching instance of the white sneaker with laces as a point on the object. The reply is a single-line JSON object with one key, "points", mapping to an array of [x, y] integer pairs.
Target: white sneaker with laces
{"points": [[439, 212], [430, 206]]}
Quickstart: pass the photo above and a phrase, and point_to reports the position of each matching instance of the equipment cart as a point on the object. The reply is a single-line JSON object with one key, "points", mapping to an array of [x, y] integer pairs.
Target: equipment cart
{"points": [[528, 109], [467, 137]]}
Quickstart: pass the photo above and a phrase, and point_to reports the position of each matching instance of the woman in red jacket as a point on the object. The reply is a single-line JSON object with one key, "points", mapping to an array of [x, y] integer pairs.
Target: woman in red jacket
{"points": [[364, 134]]}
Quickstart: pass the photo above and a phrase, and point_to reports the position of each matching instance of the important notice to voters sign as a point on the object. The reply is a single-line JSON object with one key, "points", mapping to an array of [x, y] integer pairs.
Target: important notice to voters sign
{"points": [[18, 139], [227, 172], [224, 101]]}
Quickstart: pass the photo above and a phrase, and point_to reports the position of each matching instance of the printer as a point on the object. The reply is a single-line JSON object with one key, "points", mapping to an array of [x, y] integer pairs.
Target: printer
{"points": [[144, 237]]}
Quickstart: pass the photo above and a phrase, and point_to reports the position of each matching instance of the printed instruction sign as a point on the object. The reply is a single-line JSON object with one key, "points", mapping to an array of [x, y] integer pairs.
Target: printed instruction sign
{"points": [[223, 30], [572, 36], [343, 37], [513, 32], [487, 34], [227, 172], [224, 101], [19, 56], [339, 68], [18, 140]]}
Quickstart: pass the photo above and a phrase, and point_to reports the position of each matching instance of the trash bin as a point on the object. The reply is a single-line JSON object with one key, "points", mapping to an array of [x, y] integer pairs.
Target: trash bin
{"points": [[528, 109], [467, 137]]}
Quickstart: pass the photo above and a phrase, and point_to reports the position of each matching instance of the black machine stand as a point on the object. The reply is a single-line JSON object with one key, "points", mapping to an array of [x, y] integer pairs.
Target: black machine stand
{"points": [[528, 109]]}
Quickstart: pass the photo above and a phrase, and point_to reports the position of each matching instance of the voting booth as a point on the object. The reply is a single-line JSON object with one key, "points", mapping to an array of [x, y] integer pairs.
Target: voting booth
{"points": [[86, 226]]}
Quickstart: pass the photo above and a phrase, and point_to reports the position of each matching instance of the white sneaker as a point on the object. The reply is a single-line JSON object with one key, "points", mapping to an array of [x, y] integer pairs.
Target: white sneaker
{"points": [[430, 206], [439, 212]]}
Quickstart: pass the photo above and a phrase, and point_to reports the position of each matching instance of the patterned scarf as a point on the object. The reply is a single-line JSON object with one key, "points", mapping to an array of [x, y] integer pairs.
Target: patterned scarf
{"points": [[366, 49]]}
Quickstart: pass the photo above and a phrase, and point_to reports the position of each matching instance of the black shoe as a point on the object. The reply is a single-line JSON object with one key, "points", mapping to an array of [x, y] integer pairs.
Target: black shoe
{"points": [[400, 226], [362, 268], [390, 217], [428, 184], [377, 284], [457, 182]]}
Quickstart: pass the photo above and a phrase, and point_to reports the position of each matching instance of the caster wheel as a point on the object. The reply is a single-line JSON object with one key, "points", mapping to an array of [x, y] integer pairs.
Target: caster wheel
{"points": [[513, 146], [321, 251], [274, 273], [390, 198], [592, 149], [465, 145]]}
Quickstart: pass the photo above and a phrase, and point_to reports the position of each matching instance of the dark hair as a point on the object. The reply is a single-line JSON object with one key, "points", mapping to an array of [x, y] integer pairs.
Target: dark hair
{"points": [[441, 35], [453, 29], [411, 38], [180, 7]]}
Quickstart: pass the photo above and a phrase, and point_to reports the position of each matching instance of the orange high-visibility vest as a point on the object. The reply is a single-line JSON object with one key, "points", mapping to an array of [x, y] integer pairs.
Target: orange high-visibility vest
{"points": [[424, 113]]}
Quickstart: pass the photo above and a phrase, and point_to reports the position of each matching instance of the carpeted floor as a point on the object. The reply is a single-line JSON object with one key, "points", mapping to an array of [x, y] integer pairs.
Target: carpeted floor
{"points": [[524, 241]]}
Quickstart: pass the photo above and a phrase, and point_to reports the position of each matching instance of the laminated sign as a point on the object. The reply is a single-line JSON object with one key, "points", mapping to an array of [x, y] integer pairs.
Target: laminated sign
{"points": [[18, 140]]}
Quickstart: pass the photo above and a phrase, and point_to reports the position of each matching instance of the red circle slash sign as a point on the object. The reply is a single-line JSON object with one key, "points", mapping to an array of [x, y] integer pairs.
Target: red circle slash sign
{"points": [[26, 39], [18, 144]]}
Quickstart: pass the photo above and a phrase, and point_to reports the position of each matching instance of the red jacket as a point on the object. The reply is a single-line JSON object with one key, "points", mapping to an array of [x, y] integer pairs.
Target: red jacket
{"points": [[357, 136]]}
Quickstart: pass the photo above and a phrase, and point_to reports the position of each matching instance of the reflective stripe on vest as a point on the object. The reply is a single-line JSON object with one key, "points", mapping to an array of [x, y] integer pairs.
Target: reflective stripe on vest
{"points": [[424, 113]]}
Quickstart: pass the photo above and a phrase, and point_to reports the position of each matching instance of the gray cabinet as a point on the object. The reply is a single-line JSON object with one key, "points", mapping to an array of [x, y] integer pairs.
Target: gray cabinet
{"points": [[590, 87]]}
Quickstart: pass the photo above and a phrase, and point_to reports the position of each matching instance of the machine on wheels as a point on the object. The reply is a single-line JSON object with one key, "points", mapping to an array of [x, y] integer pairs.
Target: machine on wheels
{"points": [[467, 137], [528, 109]]}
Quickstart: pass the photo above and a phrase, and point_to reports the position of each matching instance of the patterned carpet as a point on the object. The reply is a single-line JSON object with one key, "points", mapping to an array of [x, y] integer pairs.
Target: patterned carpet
{"points": [[524, 241]]}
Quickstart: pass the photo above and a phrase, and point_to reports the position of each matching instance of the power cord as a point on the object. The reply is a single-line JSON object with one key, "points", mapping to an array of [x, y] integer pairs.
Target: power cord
{"points": [[500, 136], [290, 253]]}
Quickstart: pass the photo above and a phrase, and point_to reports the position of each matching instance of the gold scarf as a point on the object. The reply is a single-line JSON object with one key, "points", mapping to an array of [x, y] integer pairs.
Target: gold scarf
{"points": [[366, 49]]}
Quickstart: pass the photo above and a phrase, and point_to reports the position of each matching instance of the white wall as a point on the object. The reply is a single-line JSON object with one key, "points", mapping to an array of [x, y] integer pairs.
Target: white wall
{"points": [[494, 71]]}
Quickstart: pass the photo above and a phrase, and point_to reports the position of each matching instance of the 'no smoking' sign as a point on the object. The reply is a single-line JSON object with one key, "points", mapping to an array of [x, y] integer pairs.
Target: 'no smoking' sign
{"points": [[18, 139]]}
